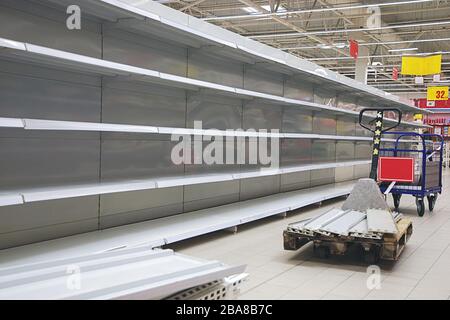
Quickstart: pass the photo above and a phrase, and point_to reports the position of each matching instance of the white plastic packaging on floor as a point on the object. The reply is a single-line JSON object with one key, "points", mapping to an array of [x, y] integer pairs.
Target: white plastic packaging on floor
{"points": [[138, 273]]}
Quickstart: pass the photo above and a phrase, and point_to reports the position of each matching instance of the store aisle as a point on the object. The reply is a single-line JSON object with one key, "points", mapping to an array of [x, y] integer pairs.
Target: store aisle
{"points": [[421, 272]]}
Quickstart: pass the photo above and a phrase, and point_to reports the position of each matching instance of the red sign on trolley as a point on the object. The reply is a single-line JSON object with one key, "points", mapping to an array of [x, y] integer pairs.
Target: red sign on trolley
{"points": [[396, 169]]}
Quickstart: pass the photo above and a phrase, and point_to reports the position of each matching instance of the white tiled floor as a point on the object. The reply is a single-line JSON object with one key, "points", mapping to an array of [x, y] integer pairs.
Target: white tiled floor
{"points": [[421, 273]]}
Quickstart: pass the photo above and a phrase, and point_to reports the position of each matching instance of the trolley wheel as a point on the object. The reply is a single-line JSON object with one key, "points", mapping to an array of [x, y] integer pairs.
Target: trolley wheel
{"points": [[323, 252], [431, 201], [372, 256], [420, 207], [396, 198]]}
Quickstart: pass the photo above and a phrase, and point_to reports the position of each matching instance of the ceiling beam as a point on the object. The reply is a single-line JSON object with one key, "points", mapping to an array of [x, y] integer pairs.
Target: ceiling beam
{"points": [[321, 32], [378, 43], [286, 23], [207, 13], [266, 13], [192, 4]]}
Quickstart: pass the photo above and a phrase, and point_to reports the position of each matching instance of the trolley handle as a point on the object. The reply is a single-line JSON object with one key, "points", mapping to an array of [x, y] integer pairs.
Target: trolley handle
{"points": [[365, 110]]}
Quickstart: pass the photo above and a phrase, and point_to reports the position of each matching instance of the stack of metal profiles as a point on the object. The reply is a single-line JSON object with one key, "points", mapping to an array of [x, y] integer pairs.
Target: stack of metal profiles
{"points": [[365, 220], [137, 273], [346, 224]]}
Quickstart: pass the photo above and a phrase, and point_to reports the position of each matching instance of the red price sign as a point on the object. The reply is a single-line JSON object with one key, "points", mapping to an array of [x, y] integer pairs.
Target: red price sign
{"points": [[396, 169]]}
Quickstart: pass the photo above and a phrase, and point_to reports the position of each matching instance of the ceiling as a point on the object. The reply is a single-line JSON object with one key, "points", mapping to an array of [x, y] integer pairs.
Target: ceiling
{"points": [[320, 30]]}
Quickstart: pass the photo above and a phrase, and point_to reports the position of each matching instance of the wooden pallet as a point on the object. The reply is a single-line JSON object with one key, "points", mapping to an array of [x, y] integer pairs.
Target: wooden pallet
{"points": [[393, 244], [389, 247]]}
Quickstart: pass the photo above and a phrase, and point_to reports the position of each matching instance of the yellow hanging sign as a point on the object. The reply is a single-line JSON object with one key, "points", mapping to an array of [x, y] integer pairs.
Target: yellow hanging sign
{"points": [[421, 66], [437, 93]]}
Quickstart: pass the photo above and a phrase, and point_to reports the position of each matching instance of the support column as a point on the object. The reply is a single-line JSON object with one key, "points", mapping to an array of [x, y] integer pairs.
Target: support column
{"points": [[361, 65]]}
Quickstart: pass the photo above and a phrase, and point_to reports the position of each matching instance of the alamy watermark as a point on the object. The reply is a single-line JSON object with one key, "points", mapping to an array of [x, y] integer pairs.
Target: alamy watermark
{"points": [[231, 146], [374, 277], [73, 22], [73, 280]]}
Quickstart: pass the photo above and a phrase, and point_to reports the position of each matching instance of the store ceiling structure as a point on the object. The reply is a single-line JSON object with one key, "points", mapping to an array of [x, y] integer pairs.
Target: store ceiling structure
{"points": [[319, 31]]}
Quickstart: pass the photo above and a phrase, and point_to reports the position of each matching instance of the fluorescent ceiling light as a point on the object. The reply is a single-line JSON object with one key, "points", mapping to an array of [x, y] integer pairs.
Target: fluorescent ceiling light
{"points": [[324, 46], [280, 8], [341, 45], [403, 49], [250, 10]]}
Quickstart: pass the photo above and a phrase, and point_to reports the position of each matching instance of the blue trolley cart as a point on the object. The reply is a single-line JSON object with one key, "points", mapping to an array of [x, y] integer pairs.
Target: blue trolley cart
{"points": [[427, 152]]}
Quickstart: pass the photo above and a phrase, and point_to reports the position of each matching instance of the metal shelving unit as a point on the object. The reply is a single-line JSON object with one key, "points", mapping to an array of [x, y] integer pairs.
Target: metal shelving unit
{"points": [[85, 117]]}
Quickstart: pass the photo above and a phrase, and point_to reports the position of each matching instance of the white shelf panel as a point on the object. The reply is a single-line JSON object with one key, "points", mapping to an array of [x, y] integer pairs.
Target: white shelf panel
{"points": [[11, 123], [261, 95], [62, 192], [37, 124], [11, 44], [192, 32], [324, 137], [8, 199], [196, 83], [59, 125], [171, 229], [269, 172], [324, 166], [258, 55], [78, 62], [53, 193], [138, 273], [183, 181], [72, 60]]}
